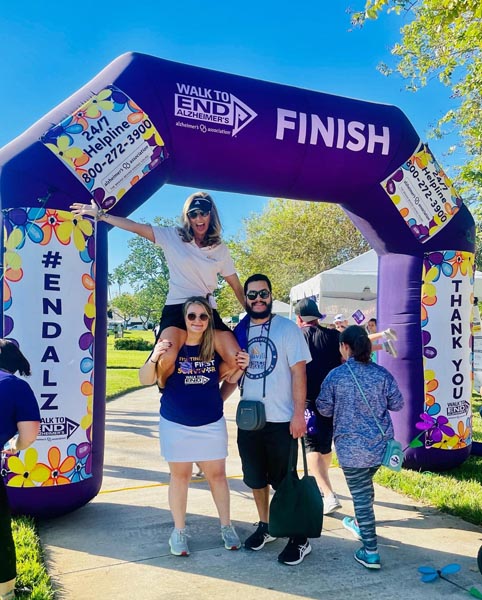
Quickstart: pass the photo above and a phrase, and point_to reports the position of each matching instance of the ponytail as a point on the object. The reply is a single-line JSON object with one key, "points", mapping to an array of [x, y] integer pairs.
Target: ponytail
{"points": [[356, 338]]}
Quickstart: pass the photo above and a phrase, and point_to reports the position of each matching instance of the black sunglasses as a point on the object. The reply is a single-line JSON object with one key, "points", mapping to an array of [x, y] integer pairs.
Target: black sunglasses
{"points": [[253, 294], [193, 214], [194, 316]]}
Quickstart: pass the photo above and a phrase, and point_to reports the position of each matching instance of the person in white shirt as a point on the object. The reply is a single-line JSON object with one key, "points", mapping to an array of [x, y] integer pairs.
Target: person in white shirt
{"points": [[195, 255], [276, 376]]}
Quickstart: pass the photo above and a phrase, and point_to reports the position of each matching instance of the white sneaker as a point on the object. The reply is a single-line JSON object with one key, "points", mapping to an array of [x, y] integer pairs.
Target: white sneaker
{"points": [[331, 504]]}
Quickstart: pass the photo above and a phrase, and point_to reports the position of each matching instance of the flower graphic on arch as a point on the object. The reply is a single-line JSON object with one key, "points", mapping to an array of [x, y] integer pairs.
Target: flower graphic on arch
{"points": [[422, 158], [431, 384], [87, 390], [75, 226], [137, 114], [64, 128], [25, 220], [437, 263], [15, 240], [429, 298], [57, 469], [91, 109], [81, 455], [434, 428], [103, 101], [69, 153], [446, 443], [12, 275], [460, 263], [27, 472], [49, 224], [463, 434]]}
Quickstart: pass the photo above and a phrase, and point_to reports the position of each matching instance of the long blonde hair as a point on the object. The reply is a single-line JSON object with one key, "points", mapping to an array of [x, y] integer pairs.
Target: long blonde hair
{"points": [[213, 234], [206, 348]]}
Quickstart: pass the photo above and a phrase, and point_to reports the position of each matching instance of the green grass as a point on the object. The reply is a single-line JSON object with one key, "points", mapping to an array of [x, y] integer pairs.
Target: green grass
{"points": [[123, 365], [33, 580], [457, 492]]}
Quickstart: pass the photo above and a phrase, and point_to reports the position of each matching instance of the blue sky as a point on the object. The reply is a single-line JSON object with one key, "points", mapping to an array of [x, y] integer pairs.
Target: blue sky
{"points": [[48, 52]]}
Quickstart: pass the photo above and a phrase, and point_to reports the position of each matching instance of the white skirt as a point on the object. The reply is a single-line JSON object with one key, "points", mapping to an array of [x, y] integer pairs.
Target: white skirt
{"points": [[183, 443]]}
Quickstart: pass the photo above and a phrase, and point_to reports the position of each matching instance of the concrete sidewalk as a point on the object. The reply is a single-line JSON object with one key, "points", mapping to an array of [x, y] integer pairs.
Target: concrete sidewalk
{"points": [[116, 546]]}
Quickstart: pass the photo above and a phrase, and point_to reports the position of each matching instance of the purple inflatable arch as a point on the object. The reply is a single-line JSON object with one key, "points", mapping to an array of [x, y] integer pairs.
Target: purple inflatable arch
{"points": [[143, 122]]}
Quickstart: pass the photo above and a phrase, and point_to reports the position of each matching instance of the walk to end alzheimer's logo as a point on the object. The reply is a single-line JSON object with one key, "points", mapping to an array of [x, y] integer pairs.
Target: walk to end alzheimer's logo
{"points": [[219, 112]]}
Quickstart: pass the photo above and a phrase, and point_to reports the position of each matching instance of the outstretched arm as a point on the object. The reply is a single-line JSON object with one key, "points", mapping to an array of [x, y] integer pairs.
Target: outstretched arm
{"points": [[142, 229]]}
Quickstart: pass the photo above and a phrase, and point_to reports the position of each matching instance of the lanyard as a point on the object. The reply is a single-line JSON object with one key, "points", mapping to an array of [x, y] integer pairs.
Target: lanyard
{"points": [[241, 385]]}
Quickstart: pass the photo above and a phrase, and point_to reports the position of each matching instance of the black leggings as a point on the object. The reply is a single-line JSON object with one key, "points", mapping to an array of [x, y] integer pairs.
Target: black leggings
{"points": [[8, 569]]}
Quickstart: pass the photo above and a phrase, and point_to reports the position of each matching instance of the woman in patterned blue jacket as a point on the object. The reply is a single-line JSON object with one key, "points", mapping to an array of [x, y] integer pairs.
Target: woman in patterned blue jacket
{"points": [[359, 443]]}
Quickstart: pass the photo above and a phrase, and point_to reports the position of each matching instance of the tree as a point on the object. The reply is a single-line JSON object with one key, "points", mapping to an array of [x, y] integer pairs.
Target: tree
{"points": [[443, 39], [291, 241], [126, 306], [146, 271]]}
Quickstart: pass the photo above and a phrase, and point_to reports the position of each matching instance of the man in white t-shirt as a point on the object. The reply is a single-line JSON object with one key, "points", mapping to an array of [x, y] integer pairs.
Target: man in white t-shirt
{"points": [[276, 375]]}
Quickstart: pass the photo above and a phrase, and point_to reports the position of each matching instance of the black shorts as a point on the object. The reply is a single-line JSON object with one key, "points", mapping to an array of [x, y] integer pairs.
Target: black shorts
{"points": [[319, 436], [7, 548], [264, 454], [172, 316]]}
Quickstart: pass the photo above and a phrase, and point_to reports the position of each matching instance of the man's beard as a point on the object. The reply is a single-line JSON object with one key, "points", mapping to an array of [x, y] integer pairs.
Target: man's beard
{"points": [[260, 314]]}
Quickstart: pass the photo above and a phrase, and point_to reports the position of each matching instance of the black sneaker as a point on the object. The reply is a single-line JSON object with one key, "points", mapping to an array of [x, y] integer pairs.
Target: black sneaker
{"points": [[259, 538], [295, 551]]}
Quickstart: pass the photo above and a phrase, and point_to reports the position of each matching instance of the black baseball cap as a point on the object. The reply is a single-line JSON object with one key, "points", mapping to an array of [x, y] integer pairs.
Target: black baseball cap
{"points": [[200, 203], [307, 310]]}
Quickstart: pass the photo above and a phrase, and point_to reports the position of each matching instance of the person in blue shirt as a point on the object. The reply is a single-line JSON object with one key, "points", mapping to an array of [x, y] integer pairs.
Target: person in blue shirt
{"points": [[19, 427], [359, 443], [192, 426]]}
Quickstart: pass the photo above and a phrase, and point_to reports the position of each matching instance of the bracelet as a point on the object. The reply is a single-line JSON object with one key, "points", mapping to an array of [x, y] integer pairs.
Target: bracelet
{"points": [[153, 361], [100, 213]]}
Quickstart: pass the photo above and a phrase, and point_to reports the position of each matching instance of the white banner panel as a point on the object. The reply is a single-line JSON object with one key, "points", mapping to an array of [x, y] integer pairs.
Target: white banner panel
{"points": [[50, 260], [446, 314]]}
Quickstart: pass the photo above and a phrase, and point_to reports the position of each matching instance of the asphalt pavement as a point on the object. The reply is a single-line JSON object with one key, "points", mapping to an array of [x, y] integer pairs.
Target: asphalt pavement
{"points": [[116, 547]]}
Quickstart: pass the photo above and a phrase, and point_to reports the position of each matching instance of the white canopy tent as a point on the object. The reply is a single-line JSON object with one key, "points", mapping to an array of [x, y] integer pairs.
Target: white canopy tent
{"points": [[350, 288]]}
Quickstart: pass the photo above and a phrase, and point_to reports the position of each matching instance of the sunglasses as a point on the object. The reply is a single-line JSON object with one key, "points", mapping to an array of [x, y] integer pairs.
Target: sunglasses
{"points": [[253, 294], [194, 316], [193, 214]]}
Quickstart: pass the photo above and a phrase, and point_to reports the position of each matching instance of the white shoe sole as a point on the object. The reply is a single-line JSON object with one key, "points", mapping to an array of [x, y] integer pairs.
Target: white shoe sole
{"points": [[266, 541], [367, 565], [331, 509], [300, 560]]}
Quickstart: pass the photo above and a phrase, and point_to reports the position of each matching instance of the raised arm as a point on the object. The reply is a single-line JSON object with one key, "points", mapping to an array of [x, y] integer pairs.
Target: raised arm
{"points": [[142, 229]]}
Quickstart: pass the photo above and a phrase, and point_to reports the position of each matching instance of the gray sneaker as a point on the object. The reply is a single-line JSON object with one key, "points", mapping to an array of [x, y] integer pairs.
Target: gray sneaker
{"points": [[230, 538], [178, 543]]}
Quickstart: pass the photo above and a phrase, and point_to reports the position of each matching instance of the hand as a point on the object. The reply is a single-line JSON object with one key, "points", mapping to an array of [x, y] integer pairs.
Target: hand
{"points": [[84, 209], [10, 447], [161, 347], [242, 360], [298, 426]]}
